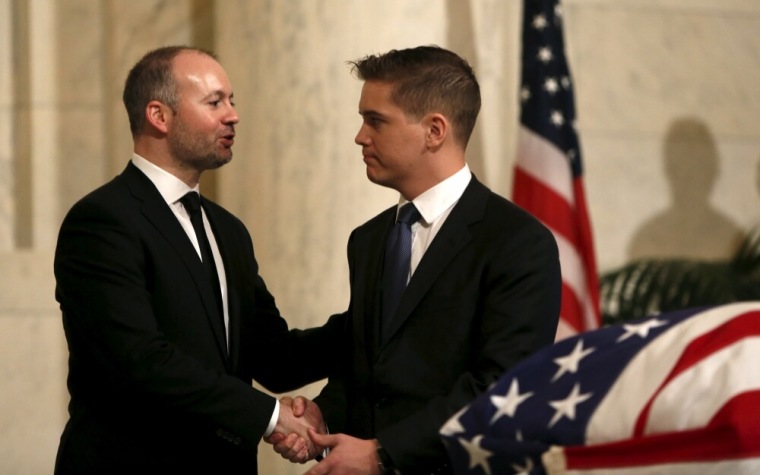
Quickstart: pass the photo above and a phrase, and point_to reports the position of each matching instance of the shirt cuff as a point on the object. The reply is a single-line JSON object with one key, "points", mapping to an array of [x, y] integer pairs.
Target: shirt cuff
{"points": [[273, 420]]}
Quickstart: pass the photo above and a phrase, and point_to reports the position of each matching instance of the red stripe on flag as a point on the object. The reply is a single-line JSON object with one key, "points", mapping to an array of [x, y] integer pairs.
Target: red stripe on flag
{"points": [[571, 309], [545, 204], [734, 436], [586, 246]]}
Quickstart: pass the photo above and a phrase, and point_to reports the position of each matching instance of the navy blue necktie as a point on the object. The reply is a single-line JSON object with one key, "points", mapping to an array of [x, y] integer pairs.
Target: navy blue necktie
{"points": [[192, 203], [398, 254]]}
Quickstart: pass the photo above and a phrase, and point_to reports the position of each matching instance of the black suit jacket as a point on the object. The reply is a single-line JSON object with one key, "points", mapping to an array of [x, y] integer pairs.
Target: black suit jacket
{"points": [[153, 388], [485, 295]]}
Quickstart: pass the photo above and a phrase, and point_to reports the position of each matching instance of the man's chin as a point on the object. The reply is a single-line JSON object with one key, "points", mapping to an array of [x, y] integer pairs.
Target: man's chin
{"points": [[219, 162], [378, 179]]}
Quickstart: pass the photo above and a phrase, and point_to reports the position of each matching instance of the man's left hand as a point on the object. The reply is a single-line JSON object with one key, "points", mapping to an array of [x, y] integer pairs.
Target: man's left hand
{"points": [[348, 455]]}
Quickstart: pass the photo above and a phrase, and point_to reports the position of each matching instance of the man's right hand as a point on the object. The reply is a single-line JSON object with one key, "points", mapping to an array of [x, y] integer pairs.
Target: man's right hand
{"points": [[290, 438]]}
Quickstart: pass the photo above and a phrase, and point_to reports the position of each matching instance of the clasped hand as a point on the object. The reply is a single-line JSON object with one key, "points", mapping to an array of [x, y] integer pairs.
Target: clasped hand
{"points": [[290, 436], [348, 455]]}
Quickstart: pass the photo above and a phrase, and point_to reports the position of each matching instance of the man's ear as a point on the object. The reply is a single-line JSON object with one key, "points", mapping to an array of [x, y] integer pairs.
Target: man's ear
{"points": [[438, 128], [158, 115]]}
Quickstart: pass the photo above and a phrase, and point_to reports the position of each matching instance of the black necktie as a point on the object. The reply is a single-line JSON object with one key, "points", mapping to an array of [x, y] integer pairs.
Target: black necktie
{"points": [[192, 203], [398, 254]]}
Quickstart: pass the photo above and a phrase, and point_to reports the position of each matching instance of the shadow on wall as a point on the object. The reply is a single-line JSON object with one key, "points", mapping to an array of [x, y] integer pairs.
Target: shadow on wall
{"points": [[690, 254], [691, 227]]}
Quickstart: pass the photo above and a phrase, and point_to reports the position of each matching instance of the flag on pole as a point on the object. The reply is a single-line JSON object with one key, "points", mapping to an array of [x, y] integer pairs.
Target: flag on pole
{"points": [[674, 394], [548, 172]]}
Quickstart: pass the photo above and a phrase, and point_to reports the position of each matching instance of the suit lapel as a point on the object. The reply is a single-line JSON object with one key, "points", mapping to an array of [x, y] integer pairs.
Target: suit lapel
{"points": [[377, 235], [221, 235], [156, 211], [451, 238]]}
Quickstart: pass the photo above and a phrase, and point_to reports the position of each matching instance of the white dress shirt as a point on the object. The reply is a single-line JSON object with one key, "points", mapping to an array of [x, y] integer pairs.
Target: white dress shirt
{"points": [[435, 205]]}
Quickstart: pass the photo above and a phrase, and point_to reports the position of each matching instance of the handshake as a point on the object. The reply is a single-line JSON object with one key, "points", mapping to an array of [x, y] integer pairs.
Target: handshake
{"points": [[293, 437], [301, 435]]}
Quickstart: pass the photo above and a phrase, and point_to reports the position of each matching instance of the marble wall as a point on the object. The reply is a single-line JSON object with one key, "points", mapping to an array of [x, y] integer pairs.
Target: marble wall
{"points": [[667, 101]]}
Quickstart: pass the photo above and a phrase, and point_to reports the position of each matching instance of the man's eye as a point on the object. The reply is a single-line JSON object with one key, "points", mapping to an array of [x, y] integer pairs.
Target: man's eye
{"points": [[215, 103]]}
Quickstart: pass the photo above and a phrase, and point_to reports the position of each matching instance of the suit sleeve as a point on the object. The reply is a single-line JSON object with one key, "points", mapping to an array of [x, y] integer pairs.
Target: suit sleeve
{"points": [[105, 279]]}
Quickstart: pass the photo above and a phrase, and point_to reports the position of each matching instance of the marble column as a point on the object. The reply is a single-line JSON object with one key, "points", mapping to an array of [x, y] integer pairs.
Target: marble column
{"points": [[6, 126]]}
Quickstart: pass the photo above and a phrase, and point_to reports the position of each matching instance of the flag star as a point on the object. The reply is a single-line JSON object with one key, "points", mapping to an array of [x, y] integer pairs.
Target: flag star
{"points": [[551, 85], [454, 426], [507, 405], [545, 54], [524, 469], [478, 455], [557, 118], [539, 22], [524, 93], [569, 363], [566, 407], [565, 81], [558, 11], [640, 329]]}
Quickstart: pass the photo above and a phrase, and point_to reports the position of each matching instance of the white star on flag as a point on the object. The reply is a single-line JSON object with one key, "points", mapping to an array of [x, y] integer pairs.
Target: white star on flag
{"points": [[566, 407], [545, 54], [453, 426], [569, 363], [551, 85], [539, 22], [524, 94], [640, 329], [478, 455], [557, 118], [523, 469], [507, 405]]}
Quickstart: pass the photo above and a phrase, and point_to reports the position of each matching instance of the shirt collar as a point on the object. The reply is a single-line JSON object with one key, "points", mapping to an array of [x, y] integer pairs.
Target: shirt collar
{"points": [[434, 201], [170, 187]]}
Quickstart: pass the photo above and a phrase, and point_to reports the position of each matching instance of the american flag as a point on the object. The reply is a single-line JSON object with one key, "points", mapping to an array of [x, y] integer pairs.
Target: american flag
{"points": [[548, 170], [677, 393]]}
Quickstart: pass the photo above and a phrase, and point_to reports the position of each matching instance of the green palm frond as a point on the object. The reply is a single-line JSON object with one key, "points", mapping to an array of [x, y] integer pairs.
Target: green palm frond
{"points": [[651, 286]]}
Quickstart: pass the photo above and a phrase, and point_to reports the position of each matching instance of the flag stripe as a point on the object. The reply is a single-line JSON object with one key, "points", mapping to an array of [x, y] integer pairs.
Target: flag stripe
{"points": [[538, 158], [717, 442], [573, 280], [703, 347], [586, 246], [555, 212]]}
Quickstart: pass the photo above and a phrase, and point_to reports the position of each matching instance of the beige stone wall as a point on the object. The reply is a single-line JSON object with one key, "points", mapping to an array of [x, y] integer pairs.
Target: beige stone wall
{"points": [[668, 110]]}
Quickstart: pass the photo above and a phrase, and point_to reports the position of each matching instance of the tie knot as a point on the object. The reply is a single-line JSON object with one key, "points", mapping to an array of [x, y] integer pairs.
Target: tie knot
{"points": [[192, 202], [408, 214]]}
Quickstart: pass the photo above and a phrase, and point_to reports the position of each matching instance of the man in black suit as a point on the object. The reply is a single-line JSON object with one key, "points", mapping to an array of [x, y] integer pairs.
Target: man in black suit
{"points": [[167, 328], [483, 277]]}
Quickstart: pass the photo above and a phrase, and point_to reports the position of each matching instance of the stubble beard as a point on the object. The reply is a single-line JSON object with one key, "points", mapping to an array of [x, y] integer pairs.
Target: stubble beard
{"points": [[196, 152]]}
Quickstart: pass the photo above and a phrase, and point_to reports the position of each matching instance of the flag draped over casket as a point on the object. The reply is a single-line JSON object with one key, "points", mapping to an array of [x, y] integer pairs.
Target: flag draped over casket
{"points": [[677, 393]]}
